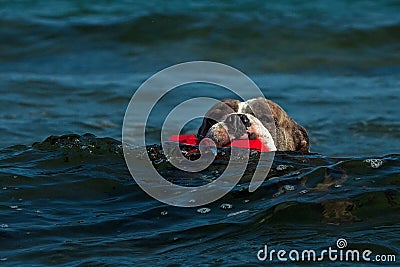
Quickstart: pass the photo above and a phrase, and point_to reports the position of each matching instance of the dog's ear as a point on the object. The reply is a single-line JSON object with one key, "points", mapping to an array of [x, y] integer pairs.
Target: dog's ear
{"points": [[301, 139], [217, 114], [232, 103]]}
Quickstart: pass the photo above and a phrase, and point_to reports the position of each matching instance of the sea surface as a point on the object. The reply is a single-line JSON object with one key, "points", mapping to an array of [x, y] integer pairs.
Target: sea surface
{"points": [[69, 68]]}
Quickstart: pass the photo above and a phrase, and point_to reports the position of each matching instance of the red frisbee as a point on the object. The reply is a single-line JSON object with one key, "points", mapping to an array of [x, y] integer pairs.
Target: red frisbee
{"points": [[192, 140]]}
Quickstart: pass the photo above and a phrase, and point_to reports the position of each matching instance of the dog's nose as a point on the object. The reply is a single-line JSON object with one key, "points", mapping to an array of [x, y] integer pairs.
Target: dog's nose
{"points": [[245, 120]]}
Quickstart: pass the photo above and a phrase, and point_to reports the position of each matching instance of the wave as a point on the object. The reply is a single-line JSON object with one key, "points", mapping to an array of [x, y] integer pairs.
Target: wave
{"points": [[74, 193], [287, 44], [159, 27], [294, 178]]}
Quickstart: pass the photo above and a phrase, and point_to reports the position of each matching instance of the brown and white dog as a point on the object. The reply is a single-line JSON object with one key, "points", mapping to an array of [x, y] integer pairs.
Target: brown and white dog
{"points": [[257, 118]]}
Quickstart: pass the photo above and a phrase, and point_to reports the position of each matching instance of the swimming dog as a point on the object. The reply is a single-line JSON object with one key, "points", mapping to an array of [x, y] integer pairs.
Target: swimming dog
{"points": [[257, 118]]}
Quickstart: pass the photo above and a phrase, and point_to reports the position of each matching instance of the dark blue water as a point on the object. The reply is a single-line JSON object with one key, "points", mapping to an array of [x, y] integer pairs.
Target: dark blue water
{"points": [[71, 67]]}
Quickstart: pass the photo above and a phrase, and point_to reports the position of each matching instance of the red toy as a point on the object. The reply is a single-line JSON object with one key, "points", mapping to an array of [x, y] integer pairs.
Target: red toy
{"points": [[192, 140]]}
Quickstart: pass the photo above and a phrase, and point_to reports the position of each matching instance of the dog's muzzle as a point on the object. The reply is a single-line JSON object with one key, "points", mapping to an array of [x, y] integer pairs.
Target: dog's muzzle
{"points": [[237, 124]]}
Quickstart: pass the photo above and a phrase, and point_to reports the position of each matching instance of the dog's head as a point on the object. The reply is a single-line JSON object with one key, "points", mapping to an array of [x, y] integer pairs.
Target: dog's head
{"points": [[257, 118], [231, 119]]}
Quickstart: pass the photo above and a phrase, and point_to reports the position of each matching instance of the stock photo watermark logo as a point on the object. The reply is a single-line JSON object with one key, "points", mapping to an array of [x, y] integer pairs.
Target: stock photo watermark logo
{"points": [[134, 130], [338, 253]]}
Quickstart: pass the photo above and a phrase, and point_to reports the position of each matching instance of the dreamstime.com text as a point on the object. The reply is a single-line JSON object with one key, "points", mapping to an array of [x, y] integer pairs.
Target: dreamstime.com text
{"points": [[330, 254]]}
